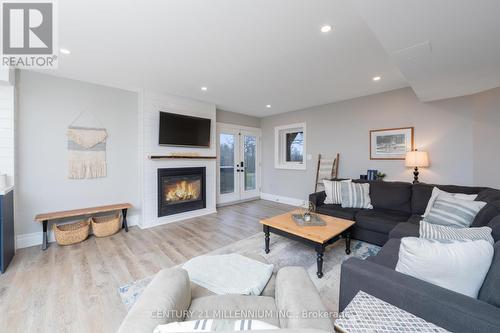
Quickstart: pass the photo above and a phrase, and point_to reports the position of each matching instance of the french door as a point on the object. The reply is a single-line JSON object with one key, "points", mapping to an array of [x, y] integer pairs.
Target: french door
{"points": [[238, 163]]}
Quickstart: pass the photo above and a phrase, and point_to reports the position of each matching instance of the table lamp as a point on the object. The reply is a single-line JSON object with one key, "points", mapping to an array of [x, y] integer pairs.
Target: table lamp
{"points": [[417, 159]]}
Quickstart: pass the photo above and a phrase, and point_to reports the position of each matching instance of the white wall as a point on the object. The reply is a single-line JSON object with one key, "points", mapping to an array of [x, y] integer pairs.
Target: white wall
{"points": [[47, 106], [151, 103], [460, 134], [234, 118], [7, 101]]}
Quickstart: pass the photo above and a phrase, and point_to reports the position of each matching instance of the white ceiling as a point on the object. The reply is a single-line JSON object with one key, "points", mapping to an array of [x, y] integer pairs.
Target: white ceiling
{"points": [[250, 53], [457, 43]]}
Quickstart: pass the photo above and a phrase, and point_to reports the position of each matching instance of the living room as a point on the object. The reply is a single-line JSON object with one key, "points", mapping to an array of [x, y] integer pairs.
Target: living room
{"points": [[286, 165]]}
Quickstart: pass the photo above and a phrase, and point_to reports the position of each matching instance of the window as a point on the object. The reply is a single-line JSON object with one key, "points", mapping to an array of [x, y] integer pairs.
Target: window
{"points": [[290, 146]]}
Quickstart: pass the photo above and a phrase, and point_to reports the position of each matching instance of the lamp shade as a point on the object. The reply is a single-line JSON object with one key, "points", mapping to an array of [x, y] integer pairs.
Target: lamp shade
{"points": [[417, 159]]}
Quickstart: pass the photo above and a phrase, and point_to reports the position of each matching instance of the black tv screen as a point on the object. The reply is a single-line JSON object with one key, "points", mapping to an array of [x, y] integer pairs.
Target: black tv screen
{"points": [[179, 130]]}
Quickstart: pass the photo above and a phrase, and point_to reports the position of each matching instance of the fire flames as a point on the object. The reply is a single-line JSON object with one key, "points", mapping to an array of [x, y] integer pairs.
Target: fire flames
{"points": [[182, 190]]}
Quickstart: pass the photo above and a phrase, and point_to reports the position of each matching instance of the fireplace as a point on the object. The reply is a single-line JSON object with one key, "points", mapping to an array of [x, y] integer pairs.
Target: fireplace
{"points": [[180, 190]]}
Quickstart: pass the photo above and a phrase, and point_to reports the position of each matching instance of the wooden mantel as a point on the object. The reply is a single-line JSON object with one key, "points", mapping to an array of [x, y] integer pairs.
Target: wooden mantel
{"points": [[159, 157]]}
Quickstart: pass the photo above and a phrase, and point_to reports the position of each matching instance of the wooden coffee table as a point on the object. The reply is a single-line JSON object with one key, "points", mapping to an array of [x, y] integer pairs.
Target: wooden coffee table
{"points": [[319, 237]]}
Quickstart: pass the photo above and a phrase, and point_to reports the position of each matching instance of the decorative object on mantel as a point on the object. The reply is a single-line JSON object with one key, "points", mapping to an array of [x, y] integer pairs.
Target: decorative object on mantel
{"points": [[417, 159], [86, 149], [391, 144], [381, 176], [159, 157]]}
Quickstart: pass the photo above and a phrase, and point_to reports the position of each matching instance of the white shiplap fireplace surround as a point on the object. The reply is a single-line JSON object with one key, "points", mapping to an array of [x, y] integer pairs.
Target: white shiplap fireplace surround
{"points": [[150, 104]]}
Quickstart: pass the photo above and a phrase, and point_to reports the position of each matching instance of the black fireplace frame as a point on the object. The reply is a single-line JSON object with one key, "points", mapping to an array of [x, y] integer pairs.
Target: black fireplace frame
{"points": [[186, 206]]}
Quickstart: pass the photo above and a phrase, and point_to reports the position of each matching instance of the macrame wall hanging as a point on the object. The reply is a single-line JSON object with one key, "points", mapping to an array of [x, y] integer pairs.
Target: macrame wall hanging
{"points": [[86, 148]]}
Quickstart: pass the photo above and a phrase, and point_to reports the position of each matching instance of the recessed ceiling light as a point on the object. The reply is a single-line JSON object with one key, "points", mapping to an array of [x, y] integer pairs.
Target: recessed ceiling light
{"points": [[326, 28], [65, 51], [204, 88], [268, 106], [376, 78]]}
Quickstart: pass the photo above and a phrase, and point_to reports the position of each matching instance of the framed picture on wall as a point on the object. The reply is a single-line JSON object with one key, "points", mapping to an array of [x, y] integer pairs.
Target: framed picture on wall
{"points": [[391, 143]]}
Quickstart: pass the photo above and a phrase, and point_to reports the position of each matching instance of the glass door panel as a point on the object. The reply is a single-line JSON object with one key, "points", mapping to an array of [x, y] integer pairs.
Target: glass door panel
{"points": [[249, 150], [227, 164]]}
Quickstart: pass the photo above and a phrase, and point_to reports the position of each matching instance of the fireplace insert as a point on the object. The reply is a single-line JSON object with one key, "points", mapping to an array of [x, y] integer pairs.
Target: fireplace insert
{"points": [[181, 190]]}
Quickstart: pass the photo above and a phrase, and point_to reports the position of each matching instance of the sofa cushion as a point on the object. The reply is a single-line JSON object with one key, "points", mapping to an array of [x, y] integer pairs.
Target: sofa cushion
{"points": [[168, 293], [485, 215], [495, 227], [415, 219], [338, 211], [421, 193], [490, 291], [380, 220], [234, 307], [405, 229], [295, 295], [388, 254], [488, 195], [391, 195]]}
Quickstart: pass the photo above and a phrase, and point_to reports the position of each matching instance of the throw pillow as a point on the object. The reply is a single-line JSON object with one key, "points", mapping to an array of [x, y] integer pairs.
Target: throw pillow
{"points": [[355, 195], [460, 266], [433, 231], [454, 212], [215, 325], [333, 192], [437, 192]]}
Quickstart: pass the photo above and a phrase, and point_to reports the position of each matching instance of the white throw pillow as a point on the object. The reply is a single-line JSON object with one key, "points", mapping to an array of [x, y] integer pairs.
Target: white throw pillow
{"points": [[433, 231], [333, 192], [454, 212], [356, 195], [456, 265], [215, 325], [437, 192]]}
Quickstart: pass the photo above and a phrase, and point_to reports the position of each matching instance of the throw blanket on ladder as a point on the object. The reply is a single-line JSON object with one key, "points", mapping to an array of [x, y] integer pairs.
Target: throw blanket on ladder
{"points": [[87, 152]]}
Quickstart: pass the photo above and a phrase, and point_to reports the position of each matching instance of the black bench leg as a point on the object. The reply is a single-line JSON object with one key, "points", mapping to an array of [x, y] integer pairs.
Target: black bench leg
{"points": [[266, 238], [124, 222], [44, 236], [319, 260]]}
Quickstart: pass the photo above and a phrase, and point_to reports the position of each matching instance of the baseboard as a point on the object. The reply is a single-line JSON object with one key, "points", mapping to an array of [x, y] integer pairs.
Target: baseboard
{"points": [[282, 199], [35, 238], [178, 217]]}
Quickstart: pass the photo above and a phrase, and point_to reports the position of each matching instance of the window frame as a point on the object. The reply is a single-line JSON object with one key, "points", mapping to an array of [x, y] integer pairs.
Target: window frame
{"points": [[280, 147]]}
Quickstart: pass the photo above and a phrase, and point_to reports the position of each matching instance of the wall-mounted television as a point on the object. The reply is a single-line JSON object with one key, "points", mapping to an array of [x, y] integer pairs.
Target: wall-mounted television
{"points": [[180, 130]]}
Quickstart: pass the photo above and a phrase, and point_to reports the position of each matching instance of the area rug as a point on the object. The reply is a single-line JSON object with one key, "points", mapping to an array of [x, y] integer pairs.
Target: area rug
{"points": [[284, 252]]}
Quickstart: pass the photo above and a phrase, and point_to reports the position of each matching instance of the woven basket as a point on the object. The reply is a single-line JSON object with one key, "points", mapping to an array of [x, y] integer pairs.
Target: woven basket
{"points": [[72, 233], [106, 225]]}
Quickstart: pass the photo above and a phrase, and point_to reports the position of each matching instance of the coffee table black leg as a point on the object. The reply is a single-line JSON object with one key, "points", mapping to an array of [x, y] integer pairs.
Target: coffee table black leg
{"points": [[320, 250], [347, 236], [266, 237]]}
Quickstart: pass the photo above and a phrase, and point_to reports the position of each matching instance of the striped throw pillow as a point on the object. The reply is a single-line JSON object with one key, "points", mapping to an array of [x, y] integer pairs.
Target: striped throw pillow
{"points": [[215, 325], [454, 212], [433, 231], [333, 192], [355, 195]]}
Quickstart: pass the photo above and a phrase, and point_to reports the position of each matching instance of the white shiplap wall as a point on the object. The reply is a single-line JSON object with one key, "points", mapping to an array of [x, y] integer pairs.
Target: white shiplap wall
{"points": [[7, 132], [150, 104]]}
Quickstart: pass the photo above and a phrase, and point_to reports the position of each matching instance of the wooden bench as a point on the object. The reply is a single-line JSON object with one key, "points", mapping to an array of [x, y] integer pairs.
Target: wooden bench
{"points": [[45, 218]]}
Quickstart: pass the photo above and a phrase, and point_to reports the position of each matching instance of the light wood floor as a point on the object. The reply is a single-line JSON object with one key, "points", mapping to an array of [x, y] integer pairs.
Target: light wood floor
{"points": [[74, 288]]}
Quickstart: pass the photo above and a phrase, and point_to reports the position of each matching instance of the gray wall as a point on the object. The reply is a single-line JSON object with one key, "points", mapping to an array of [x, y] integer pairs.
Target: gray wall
{"points": [[460, 134], [237, 119], [47, 106]]}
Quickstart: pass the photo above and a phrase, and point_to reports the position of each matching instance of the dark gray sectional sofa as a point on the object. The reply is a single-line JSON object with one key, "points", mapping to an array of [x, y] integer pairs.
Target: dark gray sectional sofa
{"points": [[398, 206], [397, 212]]}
